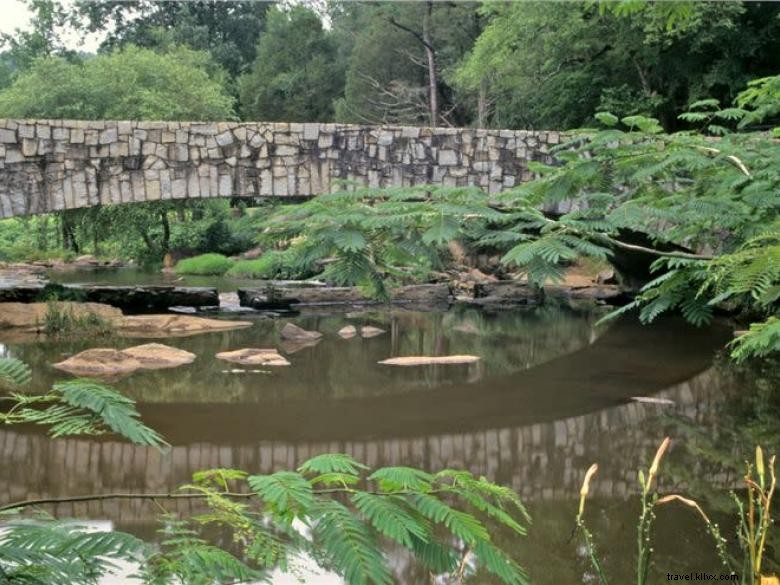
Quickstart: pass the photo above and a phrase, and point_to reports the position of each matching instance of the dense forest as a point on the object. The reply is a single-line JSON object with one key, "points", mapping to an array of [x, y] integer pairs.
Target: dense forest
{"points": [[496, 64]]}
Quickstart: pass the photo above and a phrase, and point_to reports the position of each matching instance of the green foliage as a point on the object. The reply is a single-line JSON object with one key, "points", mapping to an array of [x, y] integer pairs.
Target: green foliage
{"points": [[46, 551], [374, 239], [761, 340], [227, 30], [417, 510], [296, 75], [204, 264], [14, 373], [131, 83], [184, 557], [386, 81], [75, 407], [271, 265], [551, 65]]}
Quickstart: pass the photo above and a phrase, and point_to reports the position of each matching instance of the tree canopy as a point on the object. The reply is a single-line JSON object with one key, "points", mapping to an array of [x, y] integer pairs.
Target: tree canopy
{"points": [[296, 75], [130, 83]]}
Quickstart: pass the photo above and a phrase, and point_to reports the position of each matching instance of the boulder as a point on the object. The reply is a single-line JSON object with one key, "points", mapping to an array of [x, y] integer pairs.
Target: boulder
{"points": [[254, 357], [100, 362], [347, 332], [368, 331], [292, 331], [33, 315], [174, 325], [154, 356], [104, 362], [421, 360]]}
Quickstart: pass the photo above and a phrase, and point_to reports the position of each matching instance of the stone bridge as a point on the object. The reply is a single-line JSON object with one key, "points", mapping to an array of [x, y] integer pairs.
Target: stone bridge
{"points": [[51, 165]]}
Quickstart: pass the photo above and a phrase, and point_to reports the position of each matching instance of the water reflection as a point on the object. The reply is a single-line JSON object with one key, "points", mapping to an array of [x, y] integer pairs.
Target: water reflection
{"points": [[551, 396]]}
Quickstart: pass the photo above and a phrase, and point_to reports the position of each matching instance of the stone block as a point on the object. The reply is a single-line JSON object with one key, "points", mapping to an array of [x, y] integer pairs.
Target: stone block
{"points": [[109, 136], [182, 136], [7, 136], [26, 131], [311, 131], [153, 191], [14, 155], [285, 150], [44, 130], [125, 128], [182, 152], [225, 186], [225, 139], [29, 147], [167, 137], [448, 158]]}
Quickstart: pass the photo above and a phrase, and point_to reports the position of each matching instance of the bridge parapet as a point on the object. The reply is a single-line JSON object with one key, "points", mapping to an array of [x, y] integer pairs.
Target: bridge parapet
{"points": [[50, 165]]}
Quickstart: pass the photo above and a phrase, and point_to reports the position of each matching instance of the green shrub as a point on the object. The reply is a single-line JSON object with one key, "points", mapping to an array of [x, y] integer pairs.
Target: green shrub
{"points": [[266, 266], [272, 264], [204, 264]]}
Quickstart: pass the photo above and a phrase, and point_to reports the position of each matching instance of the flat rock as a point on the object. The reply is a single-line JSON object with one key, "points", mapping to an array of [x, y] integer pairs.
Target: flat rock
{"points": [[292, 331], [422, 360], [100, 362], [155, 356], [174, 325], [106, 362], [368, 331], [33, 315], [347, 332], [254, 357]]}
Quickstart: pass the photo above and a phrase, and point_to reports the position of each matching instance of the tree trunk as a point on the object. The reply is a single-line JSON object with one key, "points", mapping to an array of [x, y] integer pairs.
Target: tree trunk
{"points": [[166, 227], [433, 83], [482, 105]]}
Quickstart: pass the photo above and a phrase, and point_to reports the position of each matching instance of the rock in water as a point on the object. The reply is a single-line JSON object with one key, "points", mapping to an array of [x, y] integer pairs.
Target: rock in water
{"points": [[101, 362], [368, 331], [422, 360], [254, 357], [291, 331], [174, 325], [105, 362], [155, 356], [347, 332], [33, 315]]}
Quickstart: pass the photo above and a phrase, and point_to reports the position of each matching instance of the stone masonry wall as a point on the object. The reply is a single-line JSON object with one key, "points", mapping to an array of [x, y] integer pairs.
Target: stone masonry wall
{"points": [[49, 165]]}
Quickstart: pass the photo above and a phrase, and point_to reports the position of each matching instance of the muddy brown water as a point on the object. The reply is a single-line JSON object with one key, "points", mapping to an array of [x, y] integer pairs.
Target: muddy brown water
{"points": [[551, 394]]}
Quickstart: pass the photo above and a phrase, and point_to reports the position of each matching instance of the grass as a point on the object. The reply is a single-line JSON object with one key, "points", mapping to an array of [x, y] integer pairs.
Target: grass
{"points": [[59, 321], [273, 264], [205, 264], [267, 266]]}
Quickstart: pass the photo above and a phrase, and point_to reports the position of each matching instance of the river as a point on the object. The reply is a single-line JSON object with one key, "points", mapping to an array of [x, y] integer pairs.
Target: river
{"points": [[552, 393]]}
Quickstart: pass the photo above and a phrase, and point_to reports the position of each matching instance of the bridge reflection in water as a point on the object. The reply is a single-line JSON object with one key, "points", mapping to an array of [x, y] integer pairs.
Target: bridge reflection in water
{"points": [[543, 461]]}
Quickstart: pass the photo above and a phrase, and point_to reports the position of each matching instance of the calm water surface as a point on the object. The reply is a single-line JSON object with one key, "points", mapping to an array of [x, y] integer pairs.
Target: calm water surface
{"points": [[551, 395]]}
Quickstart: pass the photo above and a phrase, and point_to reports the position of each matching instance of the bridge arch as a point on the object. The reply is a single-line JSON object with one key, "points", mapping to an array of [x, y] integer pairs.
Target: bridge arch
{"points": [[51, 165]]}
